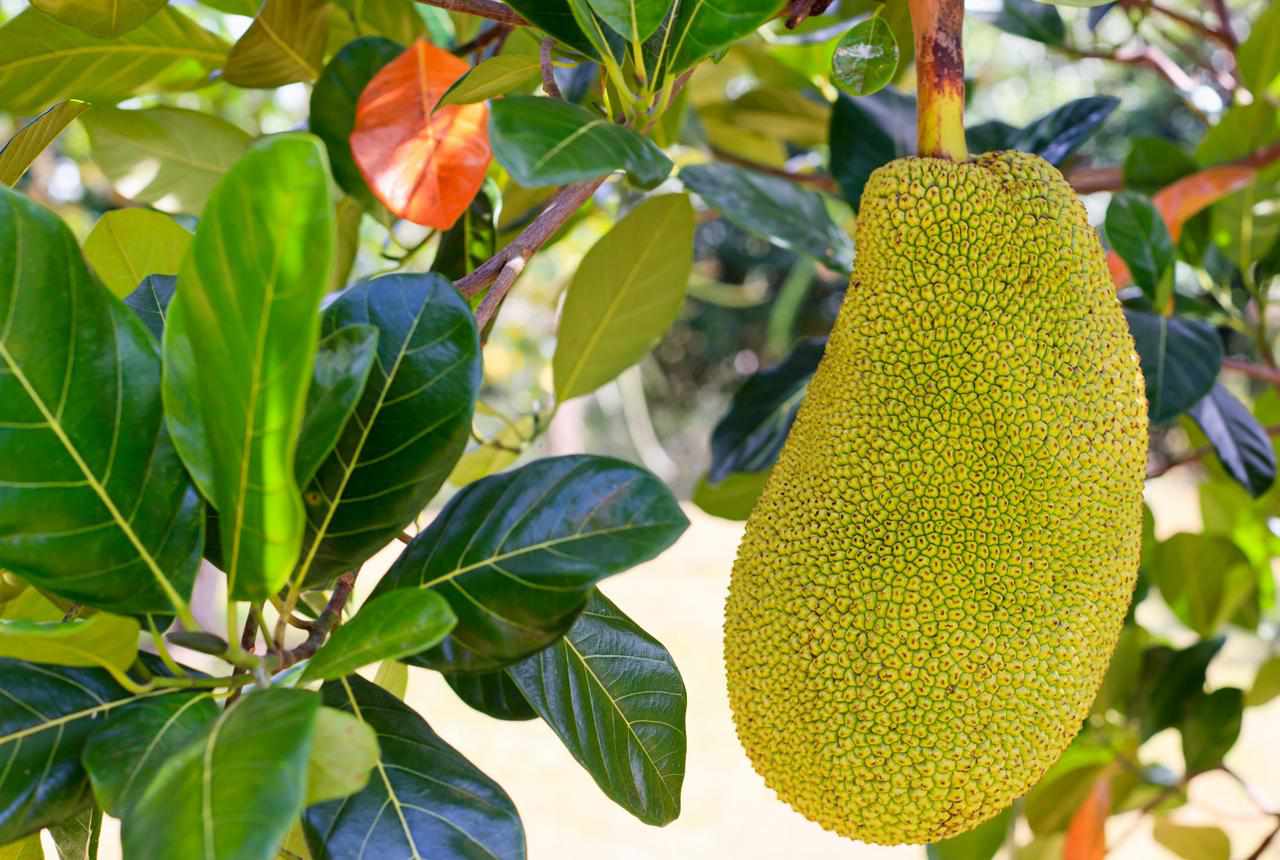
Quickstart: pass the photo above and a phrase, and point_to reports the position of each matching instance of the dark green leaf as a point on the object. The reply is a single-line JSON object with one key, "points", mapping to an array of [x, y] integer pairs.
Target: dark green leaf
{"points": [[409, 428], [517, 554], [867, 133], [127, 245], [615, 698], [46, 715], [16, 155], [198, 640], [343, 360], [556, 18], [1139, 235], [750, 435], [1059, 133], [1210, 728], [866, 58], [1180, 361], [776, 208], [239, 344], [424, 799], [1153, 163], [333, 108], [233, 792], [150, 301], [124, 754], [980, 843], [732, 498], [389, 627], [991, 136], [285, 44], [702, 27], [543, 141], [473, 239], [94, 503], [492, 693], [633, 20], [105, 20], [1241, 442], [1171, 679], [1032, 20]]}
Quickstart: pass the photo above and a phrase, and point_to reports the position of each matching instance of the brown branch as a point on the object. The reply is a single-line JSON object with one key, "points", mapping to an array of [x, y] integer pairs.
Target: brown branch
{"points": [[1194, 24], [324, 623], [1224, 23], [479, 43], [490, 9], [1257, 853], [1086, 180], [821, 181], [501, 286], [1148, 57], [548, 68], [1253, 371], [1197, 455], [798, 10]]}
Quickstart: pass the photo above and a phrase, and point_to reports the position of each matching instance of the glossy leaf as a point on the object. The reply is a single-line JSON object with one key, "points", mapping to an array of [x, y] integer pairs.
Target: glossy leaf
{"points": [[702, 27], [1059, 133], [543, 141], [344, 751], [867, 133], [343, 360], [1266, 683], [496, 76], [1191, 842], [866, 58], [517, 554], [492, 693], [284, 44], [776, 208], [1243, 447], [751, 434], [1203, 578], [1180, 361], [166, 157], [614, 696], [395, 625], [333, 108], [150, 301], [557, 19], [423, 163], [239, 344], [409, 427], [981, 843], [423, 800], [633, 20], [127, 245], [731, 498], [1039, 22], [46, 715], [102, 639], [625, 295], [43, 61], [125, 753], [94, 503], [1138, 234], [473, 238], [215, 798], [16, 155], [103, 18], [1210, 728]]}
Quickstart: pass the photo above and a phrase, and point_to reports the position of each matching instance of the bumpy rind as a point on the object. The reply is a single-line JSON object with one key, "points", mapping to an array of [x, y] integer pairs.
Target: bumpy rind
{"points": [[931, 586]]}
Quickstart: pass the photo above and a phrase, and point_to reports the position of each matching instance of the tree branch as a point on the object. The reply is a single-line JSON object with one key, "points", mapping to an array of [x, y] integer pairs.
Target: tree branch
{"points": [[1193, 24], [1147, 57], [1257, 853], [1253, 371], [548, 68], [490, 9], [1224, 23], [324, 623], [1197, 455]]}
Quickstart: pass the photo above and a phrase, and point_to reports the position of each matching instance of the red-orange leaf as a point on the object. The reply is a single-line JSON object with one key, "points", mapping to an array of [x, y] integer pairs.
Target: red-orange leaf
{"points": [[424, 165], [1087, 832]]}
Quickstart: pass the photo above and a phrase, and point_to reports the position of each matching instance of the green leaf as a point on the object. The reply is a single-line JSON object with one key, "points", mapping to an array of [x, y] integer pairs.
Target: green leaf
{"points": [[103, 18], [285, 44], [731, 498], [343, 753], [625, 294], [980, 843], [76, 837], [633, 20], [1266, 683], [239, 346], [866, 58], [1153, 163], [703, 27], [614, 696], [401, 20], [778, 209], [1192, 843], [126, 752], [1204, 579], [46, 715], [423, 800], [150, 301], [333, 108], [166, 157], [473, 239], [392, 626], [16, 155], [557, 19], [393, 676], [43, 61], [1210, 728], [409, 427], [127, 245], [497, 453], [96, 507], [233, 793], [1259, 55], [102, 639], [1139, 235], [517, 554], [1059, 133], [1180, 361], [496, 76], [492, 693], [1171, 680], [343, 360], [1039, 22], [1243, 446], [867, 133], [544, 141], [27, 848]]}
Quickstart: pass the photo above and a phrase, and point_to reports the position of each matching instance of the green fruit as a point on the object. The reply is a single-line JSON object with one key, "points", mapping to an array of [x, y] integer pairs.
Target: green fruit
{"points": [[932, 583]]}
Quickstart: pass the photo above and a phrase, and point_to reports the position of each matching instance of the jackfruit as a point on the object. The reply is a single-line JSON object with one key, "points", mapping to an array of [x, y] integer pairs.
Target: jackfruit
{"points": [[931, 585]]}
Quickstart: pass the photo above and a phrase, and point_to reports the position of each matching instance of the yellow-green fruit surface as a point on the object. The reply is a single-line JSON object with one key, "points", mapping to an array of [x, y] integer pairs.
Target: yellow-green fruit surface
{"points": [[930, 588]]}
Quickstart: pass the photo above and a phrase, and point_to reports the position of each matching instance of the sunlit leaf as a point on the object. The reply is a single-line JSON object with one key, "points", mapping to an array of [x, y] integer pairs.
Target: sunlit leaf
{"points": [[1192, 842], [1203, 578], [496, 76], [102, 639], [389, 627], [104, 18], [702, 27], [1266, 684], [127, 245], [343, 752], [1259, 55], [284, 44], [633, 20], [866, 58], [16, 155]]}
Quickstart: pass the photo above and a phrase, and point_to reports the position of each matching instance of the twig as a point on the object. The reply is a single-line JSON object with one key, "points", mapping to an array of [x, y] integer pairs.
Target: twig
{"points": [[490, 9], [479, 43], [1256, 854], [1254, 798], [1148, 57], [1197, 455], [548, 69], [1193, 24], [821, 181], [327, 620], [501, 286], [1086, 180], [1253, 371], [798, 10], [248, 639], [1224, 23], [404, 537]]}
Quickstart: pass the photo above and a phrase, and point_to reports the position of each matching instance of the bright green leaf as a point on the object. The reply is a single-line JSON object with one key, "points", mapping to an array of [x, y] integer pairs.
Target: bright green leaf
{"points": [[284, 44], [496, 76], [1192, 842], [343, 360], [980, 843], [393, 676], [392, 626], [103, 18], [1259, 55], [633, 20], [127, 245], [1203, 578], [1266, 684], [16, 155], [732, 498], [102, 639], [866, 58], [1139, 235], [343, 752]]}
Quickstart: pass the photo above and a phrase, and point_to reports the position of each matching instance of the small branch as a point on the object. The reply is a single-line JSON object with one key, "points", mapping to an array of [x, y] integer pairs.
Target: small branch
{"points": [[1195, 25], [1147, 57], [494, 34], [1257, 853], [490, 9], [1197, 455], [1254, 798], [501, 286], [1253, 371], [1086, 180], [548, 69], [324, 624], [1224, 23], [821, 181], [404, 537]]}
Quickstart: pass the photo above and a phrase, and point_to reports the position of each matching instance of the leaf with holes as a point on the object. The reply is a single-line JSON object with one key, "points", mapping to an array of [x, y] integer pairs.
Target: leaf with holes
{"points": [[423, 163], [517, 554], [127, 245], [423, 800], [102, 639], [392, 626], [1180, 360], [343, 361], [703, 27], [285, 44], [94, 503], [409, 427], [614, 696], [16, 155], [239, 344], [625, 294], [1243, 446], [103, 18]]}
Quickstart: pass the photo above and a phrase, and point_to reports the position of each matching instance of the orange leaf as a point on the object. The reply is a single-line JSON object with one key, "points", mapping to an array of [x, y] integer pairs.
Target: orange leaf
{"points": [[1180, 201], [1087, 832], [424, 166]]}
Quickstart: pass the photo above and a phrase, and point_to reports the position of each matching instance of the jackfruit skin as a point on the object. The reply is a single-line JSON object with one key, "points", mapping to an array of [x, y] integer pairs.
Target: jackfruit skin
{"points": [[929, 589]]}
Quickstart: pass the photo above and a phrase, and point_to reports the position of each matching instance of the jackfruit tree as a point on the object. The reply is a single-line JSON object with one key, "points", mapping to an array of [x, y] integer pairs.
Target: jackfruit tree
{"points": [[347, 347]]}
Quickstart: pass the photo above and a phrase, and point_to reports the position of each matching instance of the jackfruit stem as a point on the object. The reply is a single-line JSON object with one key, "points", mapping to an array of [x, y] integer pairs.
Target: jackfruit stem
{"points": [[937, 25]]}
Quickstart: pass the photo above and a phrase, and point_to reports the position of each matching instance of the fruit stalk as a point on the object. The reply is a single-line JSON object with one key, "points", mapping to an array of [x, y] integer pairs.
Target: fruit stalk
{"points": [[937, 25]]}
